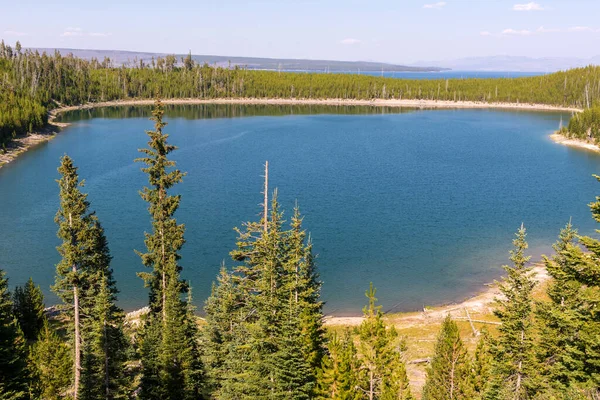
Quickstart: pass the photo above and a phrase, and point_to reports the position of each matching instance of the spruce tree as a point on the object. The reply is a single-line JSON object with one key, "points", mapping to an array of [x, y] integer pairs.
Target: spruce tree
{"points": [[29, 309], [514, 365], [338, 376], [105, 348], [50, 362], [482, 363], [449, 374], [13, 353], [74, 221], [558, 318], [169, 349], [570, 325], [382, 370]]}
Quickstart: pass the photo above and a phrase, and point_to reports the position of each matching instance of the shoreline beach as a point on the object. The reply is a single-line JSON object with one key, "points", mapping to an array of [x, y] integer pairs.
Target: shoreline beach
{"points": [[580, 144]]}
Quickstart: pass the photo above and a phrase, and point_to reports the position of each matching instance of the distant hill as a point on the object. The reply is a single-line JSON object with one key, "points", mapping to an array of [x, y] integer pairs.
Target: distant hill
{"points": [[513, 63], [120, 57]]}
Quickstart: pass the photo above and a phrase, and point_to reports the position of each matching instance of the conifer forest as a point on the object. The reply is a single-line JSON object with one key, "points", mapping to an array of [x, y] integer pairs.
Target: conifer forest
{"points": [[262, 332]]}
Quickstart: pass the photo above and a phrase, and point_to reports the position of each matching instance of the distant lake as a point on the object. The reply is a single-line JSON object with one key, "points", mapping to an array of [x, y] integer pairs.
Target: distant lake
{"points": [[423, 203], [441, 75]]}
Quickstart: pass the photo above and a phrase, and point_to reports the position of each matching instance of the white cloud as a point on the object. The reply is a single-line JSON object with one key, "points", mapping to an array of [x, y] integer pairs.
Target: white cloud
{"points": [[15, 33], [70, 32], [541, 29], [350, 41], [528, 7], [523, 32], [75, 32], [582, 29], [435, 6], [485, 33]]}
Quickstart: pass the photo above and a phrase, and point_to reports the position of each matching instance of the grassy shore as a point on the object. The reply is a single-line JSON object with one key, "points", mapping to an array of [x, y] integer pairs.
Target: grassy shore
{"points": [[420, 329], [24, 143]]}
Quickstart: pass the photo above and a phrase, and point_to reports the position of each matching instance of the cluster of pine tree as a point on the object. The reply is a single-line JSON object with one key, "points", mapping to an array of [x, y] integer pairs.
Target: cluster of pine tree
{"points": [[33, 83], [584, 125], [263, 335]]}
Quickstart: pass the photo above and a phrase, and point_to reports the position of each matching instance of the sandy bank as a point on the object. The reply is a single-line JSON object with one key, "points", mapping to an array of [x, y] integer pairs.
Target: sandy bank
{"points": [[24, 143], [481, 304], [581, 144]]}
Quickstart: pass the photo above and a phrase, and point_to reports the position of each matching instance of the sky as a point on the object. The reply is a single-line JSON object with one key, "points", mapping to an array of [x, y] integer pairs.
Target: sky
{"points": [[396, 31]]}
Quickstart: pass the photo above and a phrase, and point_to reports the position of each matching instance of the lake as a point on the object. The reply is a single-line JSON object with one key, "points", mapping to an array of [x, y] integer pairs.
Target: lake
{"points": [[423, 203]]}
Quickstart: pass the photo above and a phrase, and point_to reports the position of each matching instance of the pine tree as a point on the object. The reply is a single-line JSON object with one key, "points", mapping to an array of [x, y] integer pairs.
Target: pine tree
{"points": [[338, 378], [570, 324], [169, 350], [514, 367], [449, 374], [166, 239], [51, 365], [382, 370], [105, 348], [13, 353], [482, 363], [29, 309], [305, 287], [558, 318], [74, 220]]}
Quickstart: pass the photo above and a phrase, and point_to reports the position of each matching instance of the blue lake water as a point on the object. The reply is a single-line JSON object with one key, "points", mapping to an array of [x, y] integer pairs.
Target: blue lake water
{"points": [[423, 203]]}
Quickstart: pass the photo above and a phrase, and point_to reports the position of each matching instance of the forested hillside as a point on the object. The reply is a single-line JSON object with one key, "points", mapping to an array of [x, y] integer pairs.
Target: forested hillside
{"points": [[32, 83], [263, 335]]}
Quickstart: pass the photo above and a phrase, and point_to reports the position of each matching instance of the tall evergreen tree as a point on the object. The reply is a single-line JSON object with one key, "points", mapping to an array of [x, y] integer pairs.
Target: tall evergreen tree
{"points": [[514, 367], [264, 319], [169, 350], [13, 354], [449, 374], [86, 285], [382, 370], [570, 323], [29, 309], [74, 221]]}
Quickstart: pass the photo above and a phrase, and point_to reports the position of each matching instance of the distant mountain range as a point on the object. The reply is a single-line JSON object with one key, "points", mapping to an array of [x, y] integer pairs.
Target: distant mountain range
{"points": [[512, 63], [119, 57]]}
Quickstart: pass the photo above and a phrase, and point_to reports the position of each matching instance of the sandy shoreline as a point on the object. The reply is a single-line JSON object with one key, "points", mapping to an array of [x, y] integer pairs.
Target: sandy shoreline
{"points": [[24, 143], [481, 303], [581, 144]]}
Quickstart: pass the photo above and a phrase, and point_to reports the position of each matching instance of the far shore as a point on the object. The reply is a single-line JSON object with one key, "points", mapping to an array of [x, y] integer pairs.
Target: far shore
{"points": [[578, 143], [33, 139]]}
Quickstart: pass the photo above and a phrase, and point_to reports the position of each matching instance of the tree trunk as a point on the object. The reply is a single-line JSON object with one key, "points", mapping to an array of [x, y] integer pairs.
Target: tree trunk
{"points": [[77, 339], [106, 379]]}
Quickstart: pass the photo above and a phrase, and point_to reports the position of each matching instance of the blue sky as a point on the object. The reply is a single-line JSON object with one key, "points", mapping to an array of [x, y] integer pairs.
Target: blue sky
{"points": [[400, 31]]}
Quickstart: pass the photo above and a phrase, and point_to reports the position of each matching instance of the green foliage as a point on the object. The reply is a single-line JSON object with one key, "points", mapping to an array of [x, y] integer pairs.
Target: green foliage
{"points": [[449, 374], [482, 363], [382, 373], [28, 304], [13, 367], [338, 376], [170, 358], [585, 125], [51, 366], [264, 321], [514, 367], [33, 83]]}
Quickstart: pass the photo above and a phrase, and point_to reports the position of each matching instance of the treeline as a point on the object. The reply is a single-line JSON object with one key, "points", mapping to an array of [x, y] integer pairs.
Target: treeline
{"points": [[263, 335], [584, 125], [32, 83]]}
